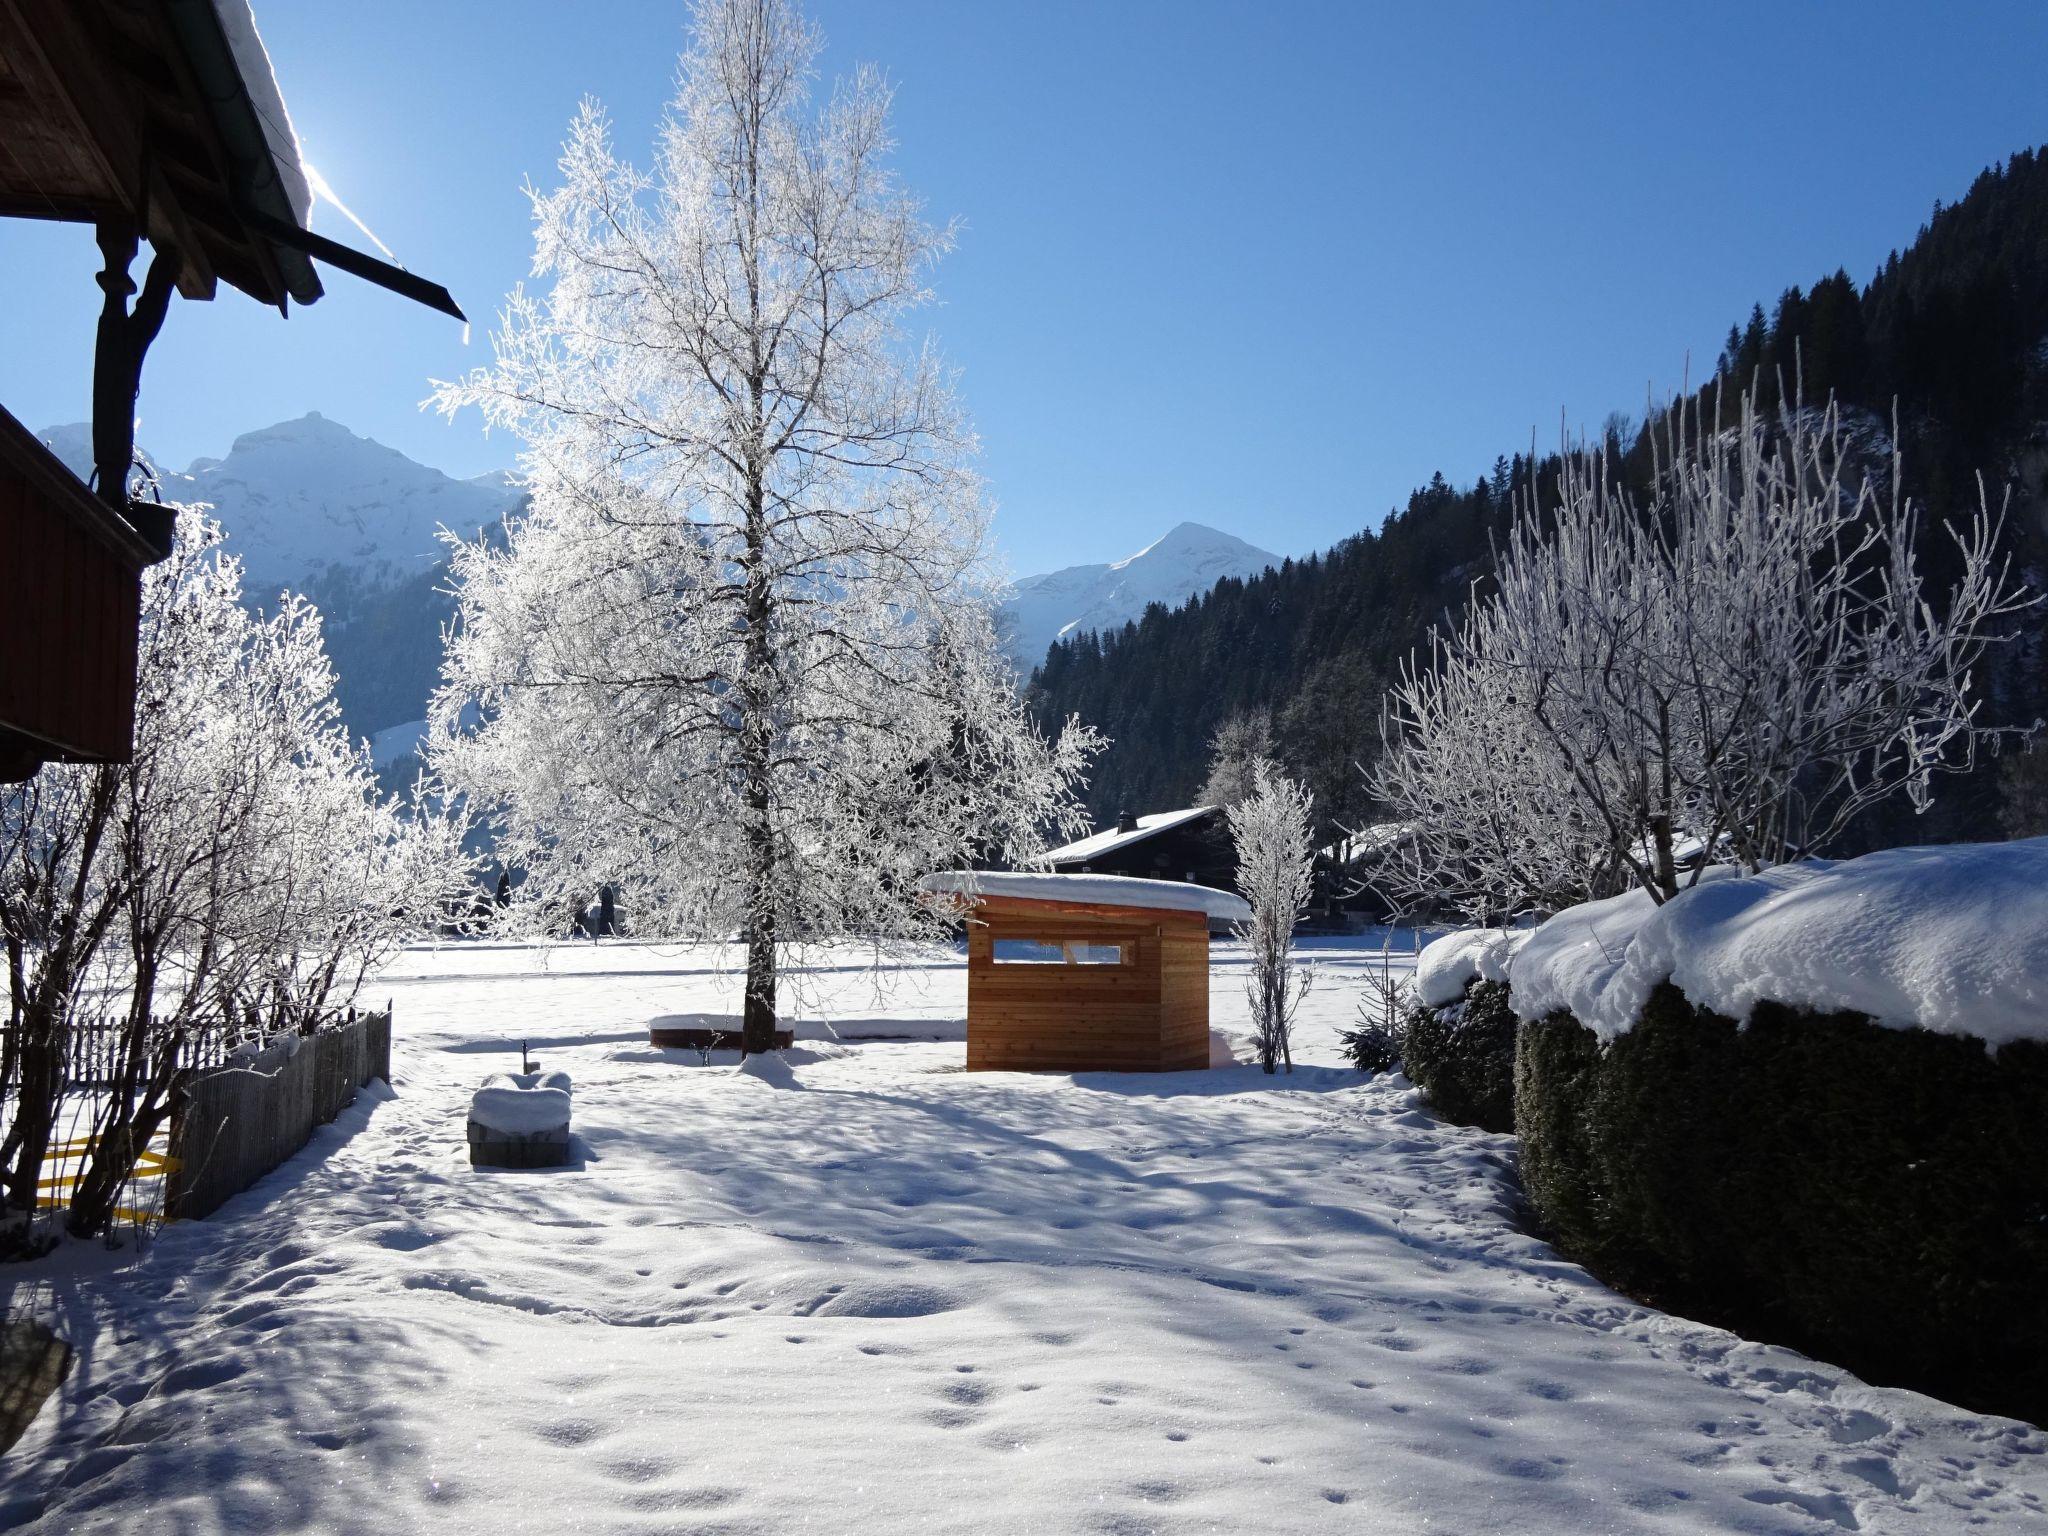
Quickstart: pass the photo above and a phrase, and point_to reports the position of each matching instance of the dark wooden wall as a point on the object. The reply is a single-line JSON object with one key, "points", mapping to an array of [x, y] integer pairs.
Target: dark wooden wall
{"points": [[1149, 1014], [70, 600]]}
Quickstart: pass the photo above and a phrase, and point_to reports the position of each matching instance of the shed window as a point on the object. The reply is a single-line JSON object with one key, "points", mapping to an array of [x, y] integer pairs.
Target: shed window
{"points": [[1057, 952]]}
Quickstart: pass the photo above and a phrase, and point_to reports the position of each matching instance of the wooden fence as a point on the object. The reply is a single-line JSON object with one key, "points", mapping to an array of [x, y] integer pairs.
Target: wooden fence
{"points": [[96, 1050], [233, 1124]]}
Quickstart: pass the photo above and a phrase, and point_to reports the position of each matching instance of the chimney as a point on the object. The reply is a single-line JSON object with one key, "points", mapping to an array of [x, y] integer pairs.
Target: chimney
{"points": [[1126, 822]]}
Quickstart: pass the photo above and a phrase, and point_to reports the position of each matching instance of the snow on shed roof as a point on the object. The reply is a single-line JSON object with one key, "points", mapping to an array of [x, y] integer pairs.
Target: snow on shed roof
{"points": [[1096, 844], [1095, 890]]}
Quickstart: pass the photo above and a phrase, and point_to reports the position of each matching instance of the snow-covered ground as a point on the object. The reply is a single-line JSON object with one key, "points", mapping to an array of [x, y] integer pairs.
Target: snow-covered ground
{"points": [[875, 1293]]}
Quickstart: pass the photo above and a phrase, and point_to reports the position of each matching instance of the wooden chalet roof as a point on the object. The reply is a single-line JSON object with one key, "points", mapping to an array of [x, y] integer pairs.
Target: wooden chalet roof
{"points": [[140, 109], [1114, 840]]}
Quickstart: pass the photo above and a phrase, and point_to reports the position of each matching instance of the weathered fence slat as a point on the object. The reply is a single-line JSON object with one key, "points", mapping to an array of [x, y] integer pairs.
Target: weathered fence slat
{"points": [[236, 1123]]}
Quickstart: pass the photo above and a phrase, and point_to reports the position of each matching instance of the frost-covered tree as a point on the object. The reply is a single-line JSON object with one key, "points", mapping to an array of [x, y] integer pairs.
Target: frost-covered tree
{"points": [[739, 657], [1275, 872], [1240, 746], [238, 875], [1488, 821], [54, 918], [1734, 670]]}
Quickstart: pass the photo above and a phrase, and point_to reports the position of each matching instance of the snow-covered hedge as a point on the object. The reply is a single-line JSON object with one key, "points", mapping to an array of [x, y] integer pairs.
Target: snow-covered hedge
{"points": [[1813, 1105], [1462, 1056], [1458, 1044], [1952, 939]]}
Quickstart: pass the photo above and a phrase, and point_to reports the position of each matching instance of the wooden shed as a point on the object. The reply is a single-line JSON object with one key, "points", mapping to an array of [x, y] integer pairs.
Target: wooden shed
{"points": [[1098, 973]]}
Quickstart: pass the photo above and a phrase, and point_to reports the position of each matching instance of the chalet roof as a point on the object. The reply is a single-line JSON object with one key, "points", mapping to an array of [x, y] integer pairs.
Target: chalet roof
{"points": [[110, 108], [1097, 844], [1092, 890], [166, 114], [1354, 846]]}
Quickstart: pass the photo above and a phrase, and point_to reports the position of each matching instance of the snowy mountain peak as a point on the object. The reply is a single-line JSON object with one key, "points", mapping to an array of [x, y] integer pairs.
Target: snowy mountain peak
{"points": [[1187, 560], [312, 506], [301, 432], [72, 443], [1197, 543]]}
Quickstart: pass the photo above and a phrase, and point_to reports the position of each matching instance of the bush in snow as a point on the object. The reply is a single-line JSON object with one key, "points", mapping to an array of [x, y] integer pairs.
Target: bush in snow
{"points": [[1275, 871], [1372, 1046], [1457, 1029], [1462, 1056], [1858, 1166], [1736, 669], [1877, 1197]]}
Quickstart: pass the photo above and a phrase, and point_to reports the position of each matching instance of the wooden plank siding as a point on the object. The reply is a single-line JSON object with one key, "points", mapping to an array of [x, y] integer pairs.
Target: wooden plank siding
{"points": [[1150, 1013], [68, 619]]}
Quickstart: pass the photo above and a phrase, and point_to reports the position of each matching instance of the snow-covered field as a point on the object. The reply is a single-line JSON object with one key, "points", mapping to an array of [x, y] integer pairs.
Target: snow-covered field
{"points": [[874, 1293]]}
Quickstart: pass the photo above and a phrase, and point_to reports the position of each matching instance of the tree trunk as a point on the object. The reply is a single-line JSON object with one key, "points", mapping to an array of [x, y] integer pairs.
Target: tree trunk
{"points": [[757, 749], [757, 1024], [40, 1088]]}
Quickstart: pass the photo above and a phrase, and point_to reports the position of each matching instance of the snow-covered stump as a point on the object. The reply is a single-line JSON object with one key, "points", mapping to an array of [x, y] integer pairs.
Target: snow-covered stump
{"points": [[520, 1120]]}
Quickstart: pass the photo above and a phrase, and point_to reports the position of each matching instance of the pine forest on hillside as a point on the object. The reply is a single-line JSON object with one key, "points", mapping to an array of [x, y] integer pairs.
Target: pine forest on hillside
{"points": [[1954, 329]]}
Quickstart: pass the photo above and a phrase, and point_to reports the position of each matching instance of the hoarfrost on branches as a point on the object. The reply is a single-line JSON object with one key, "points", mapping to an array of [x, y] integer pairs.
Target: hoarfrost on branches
{"points": [[239, 874], [1275, 871], [1732, 671], [1238, 747], [739, 658]]}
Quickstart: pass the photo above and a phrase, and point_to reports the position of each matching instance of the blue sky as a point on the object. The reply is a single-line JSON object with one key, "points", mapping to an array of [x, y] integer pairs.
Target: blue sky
{"points": [[1262, 266]]}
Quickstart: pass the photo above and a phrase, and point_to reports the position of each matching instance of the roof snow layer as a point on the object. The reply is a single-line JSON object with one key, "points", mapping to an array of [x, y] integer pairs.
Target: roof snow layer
{"points": [[1093, 890], [1098, 843], [1952, 939], [238, 24]]}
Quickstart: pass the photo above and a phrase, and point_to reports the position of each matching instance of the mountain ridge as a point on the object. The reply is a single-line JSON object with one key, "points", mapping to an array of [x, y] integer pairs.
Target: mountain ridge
{"points": [[311, 506], [355, 526], [1185, 561], [1948, 340]]}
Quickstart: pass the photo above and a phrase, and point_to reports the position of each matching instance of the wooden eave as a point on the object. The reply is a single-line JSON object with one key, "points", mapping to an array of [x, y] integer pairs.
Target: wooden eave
{"points": [[987, 907], [104, 115]]}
